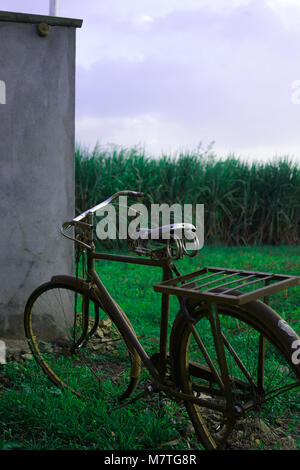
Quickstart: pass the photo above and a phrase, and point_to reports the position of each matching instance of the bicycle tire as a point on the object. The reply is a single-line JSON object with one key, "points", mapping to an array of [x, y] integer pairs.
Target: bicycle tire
{"points": [[55, 341], [255, 321]]}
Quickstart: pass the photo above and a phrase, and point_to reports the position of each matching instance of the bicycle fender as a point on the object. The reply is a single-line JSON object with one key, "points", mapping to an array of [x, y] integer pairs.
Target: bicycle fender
{"points": [[70, 281]]}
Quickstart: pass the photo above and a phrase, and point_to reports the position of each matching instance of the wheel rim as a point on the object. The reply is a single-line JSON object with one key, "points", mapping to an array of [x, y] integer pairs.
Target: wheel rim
{"points": [[58, 343], [252, 427]]}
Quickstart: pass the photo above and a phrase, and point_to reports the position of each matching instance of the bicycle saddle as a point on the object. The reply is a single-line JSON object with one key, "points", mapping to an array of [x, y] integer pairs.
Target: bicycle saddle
{"points": [[167, 241], [165, 232]]}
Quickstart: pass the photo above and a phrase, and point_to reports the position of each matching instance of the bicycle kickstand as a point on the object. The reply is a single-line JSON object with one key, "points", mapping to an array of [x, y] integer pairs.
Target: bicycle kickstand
{"points": [[148, 390]]}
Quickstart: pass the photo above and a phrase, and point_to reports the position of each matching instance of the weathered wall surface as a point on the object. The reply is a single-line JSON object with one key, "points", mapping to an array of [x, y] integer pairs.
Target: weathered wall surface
{"points": [[36, 162]]}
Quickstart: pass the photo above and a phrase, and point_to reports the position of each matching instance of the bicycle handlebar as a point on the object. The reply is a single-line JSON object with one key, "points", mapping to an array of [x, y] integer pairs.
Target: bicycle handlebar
{"points": [[77, 220], [108, 201]]}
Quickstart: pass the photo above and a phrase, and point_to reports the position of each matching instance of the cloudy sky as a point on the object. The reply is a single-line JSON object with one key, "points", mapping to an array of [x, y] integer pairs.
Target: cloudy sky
{"points": [[169, 74]]}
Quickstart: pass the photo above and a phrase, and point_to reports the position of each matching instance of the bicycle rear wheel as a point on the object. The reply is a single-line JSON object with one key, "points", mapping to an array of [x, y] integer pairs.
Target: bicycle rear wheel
{"points": [[76, 343], [263, 373]]}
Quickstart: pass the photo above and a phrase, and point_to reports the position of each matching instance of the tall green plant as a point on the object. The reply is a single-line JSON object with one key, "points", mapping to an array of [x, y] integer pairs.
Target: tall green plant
{"points": [[245, 203]]}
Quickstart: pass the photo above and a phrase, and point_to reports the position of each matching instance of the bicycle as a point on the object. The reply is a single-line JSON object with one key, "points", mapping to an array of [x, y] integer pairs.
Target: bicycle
{"points": [[206, 368]]}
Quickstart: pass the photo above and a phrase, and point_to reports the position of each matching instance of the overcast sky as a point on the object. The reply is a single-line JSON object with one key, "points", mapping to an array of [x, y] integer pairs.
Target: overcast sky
{"points": [[169, 74]]}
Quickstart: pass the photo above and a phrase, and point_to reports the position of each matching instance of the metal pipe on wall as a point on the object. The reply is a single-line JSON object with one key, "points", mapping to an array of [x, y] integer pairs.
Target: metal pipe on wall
{"points": [[53, 4]]}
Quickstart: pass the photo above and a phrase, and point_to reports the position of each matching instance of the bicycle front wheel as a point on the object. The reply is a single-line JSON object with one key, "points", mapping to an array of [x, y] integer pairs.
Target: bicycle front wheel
{"points": [[76, 343], [250, 395]]}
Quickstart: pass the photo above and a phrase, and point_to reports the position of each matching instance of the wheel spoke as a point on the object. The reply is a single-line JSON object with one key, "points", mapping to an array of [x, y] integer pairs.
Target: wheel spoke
{"points": [[261, 362], [259, 380], [59, 339], [219, 345], [207, 357], [238, 361], [280, 390]]}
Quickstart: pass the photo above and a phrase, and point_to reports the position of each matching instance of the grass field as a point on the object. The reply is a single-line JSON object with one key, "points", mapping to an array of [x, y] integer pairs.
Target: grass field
{"points": [[34, 414]]}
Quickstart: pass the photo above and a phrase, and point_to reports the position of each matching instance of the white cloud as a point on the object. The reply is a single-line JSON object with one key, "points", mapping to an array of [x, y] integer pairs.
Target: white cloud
{"points": [[152, 131], [172, 73], [287, 10], [145, 19]]}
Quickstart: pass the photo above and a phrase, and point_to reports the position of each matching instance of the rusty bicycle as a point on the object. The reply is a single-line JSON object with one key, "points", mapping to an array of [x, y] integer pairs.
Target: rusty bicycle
{"points": [[231, 358]]}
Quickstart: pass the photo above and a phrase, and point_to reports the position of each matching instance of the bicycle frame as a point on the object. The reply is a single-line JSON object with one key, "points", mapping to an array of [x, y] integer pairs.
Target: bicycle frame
{"points": [[113, 309], [116, 313], [158, 370], [203, 365]]}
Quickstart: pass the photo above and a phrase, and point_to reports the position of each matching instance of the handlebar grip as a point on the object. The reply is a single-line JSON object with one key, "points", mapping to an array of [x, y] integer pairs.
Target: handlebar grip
{"points": [[76, 222], [135, 194]]}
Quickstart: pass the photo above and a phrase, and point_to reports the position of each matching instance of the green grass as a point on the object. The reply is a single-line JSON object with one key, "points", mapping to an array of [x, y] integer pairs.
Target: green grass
{"points": [[34, 414]]}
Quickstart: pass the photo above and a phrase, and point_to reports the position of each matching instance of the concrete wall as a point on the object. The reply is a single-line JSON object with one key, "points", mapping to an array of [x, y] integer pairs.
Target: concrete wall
{"points": [[36, 160]]}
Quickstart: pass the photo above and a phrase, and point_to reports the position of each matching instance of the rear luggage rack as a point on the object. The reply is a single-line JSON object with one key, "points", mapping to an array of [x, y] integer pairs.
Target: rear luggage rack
{"points": [[233, 286]]}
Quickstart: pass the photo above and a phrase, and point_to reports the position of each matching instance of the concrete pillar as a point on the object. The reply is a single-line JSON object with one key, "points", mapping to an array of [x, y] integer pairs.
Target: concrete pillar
{"points": [[37, 95]]}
